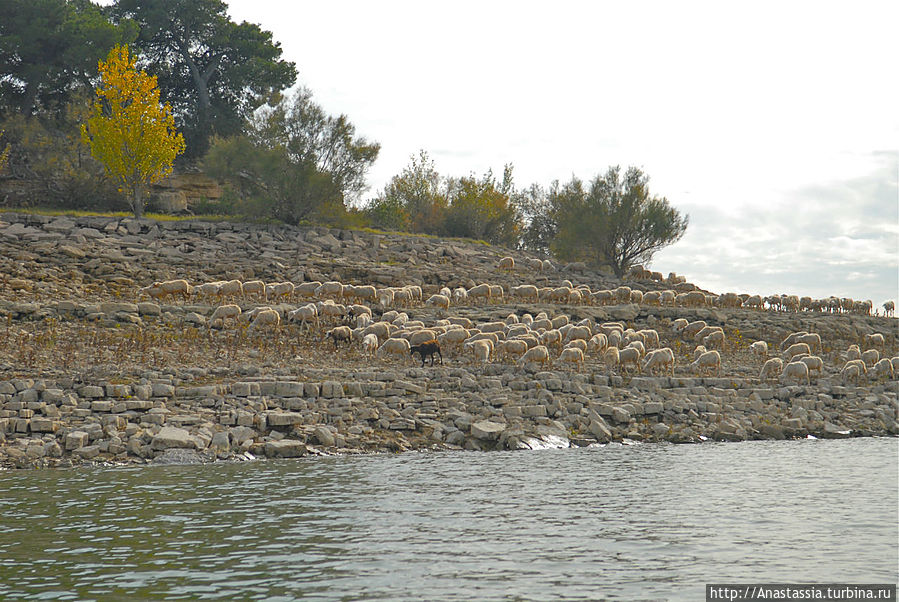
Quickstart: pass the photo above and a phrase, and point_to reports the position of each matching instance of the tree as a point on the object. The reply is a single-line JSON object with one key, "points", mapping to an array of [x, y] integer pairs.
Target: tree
{"points": [[482, 209], [49, 49], [4, 152], [213, 72], [129, 131], [294, 161], [615, 222], [413, 201]]}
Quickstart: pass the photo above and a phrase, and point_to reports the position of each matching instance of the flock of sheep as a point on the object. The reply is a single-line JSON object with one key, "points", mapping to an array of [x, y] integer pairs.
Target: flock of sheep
{"points": [[527, 340]]}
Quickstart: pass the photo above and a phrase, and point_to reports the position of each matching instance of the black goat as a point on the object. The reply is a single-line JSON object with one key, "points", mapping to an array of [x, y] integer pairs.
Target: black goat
{"points": [[426, 350]]}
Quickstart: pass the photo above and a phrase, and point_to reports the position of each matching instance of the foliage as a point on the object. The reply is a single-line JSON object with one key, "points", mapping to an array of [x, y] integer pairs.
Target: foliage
{"points": [[312, 137], [483, 209], [129, 131], [213, 72], [49, 50], [536, 213], [4, 152], [47, 159], [615, 221], [413, 201]]}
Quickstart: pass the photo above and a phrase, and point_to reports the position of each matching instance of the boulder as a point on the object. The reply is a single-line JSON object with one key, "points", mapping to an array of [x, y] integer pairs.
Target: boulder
{"points": [[285, 448], [171, 436], [487, 430]]}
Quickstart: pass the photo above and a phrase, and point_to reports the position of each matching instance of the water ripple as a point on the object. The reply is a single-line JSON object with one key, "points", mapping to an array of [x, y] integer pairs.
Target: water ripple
{"points": [[616, 522]]}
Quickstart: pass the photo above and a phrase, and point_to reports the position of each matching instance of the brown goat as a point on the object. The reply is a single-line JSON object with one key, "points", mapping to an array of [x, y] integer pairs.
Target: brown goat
{"points": [[426, 350]]}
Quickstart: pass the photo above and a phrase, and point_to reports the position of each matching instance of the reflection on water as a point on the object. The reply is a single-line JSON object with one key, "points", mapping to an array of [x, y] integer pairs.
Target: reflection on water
{"points": [[651, 521]]}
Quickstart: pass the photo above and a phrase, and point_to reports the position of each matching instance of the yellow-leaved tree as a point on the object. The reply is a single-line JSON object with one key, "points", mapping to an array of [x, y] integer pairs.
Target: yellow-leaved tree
{"points": [[129, 131]]}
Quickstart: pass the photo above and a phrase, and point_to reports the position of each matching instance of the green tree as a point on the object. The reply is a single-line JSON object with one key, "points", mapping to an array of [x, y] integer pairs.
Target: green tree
{"points": [[49, 50], [213, 72], [482, 208], [129, 131], [311, 136], [616, 221], [413, 201]]}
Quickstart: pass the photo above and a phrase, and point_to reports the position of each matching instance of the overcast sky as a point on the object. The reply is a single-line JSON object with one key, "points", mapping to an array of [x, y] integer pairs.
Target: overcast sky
{"points": [[774, 125]]}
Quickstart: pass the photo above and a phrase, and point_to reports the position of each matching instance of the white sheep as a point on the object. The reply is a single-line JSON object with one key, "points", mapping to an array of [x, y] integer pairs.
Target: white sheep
{"points": [[771, 368], [662, 358], [440, 301], [870, 357], [883, 368], [814, 363], [854, 369], [610, 357], [305, 314], [460, 295], [572, 355], [708, 360], [715, 338], [395, 346], [254, 287], [797, 370], [534, 355], [795, 349], [629, 356], [481, 350], [370, 345], [889, 308], [512, 348], [853, 353], [278, 290], [231, 288], [224, 312], [506, 263], [759, 348], [265, 317], [874, 340], [598, 343]]}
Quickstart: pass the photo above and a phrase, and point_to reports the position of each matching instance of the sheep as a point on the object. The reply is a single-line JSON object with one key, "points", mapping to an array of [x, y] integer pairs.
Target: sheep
{"points": [[690, 330], [759, 348], [154, 292], [796, 349], [426, 350], [460, 295], [379, 329], [636, 296], [889, 307], [340, 334], [652, 298], [598, 343], [715, 338], [812, 339], [611, 357], [578, 343], [480, 292], [332, 288], [370, 345], [883, 368], [265, 317], [538, 354], [853, 353], [305, 314], [525, 292], [307, 289], [573, 355], [604, 297], [754, 301], [796, 370], [330, 310], [507, 264], [453, 337], [277, 290], [419, 337], [386, 297], [514, 347], [481, 349], [415, 293], [792, 338], [578, 332], [223, 312], [771, 368], [667, 297], [170, 288], [663, 358], [207, 290], [440, 301], [874, 340], [638, 346], [814, 363], [254, 287], [231, 288], [629, 356], [700, 349], [870, 357], [705, 331], [394, 346], [551, 337], [650, 337], [853, 369], [709, 359], [679, 324]]}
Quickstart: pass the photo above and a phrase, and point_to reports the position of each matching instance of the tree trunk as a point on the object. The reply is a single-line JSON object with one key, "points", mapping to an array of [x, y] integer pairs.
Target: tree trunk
{"points": [[137, 201]]}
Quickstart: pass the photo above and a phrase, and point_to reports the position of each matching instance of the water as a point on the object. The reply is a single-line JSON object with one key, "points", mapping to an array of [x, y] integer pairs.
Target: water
{"points": [[619, 522]]}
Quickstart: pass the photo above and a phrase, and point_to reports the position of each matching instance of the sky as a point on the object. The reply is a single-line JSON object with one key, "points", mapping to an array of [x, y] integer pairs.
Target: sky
{"points": [[773, 125]]}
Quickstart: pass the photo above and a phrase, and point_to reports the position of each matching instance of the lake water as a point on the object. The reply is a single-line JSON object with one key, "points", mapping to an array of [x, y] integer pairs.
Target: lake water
{"points": [[617, 522]]}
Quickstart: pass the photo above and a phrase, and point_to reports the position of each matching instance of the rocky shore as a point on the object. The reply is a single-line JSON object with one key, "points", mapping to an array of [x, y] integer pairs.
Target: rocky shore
{"points": [[90, 372]]}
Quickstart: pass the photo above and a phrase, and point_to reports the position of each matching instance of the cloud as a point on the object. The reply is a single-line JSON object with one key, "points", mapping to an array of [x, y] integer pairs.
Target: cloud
{"points": [[837, 239]]}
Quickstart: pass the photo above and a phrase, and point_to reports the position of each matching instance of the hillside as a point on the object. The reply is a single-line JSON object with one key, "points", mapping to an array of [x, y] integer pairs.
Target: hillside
{"points": [[90, 371]]}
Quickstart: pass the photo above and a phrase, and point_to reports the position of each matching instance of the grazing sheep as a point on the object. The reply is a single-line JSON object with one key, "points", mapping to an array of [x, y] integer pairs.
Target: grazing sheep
{"points": [[796, 370], [170, 288], [650, 337], [771, 368], [689, 331], [369, 345], [853, 353], [394, 346], [759, 348], [854, 369], [424, 335], [792, 338], [305, 314], [870, 357], [610, 357], [706, 331], [207, 290], [386, 297], [874, 340], [307, 289], [598, 343], [525, 292], [460, 295], [224, 312], [534, 355], [573, 355], [662, 358], [453, 337], [795, 349], [231, 288], [652, 298], [812, 339], [479, 292], [440, 301], [512, 348], [715, 338], [266, 317], [700, 349], [629, 356], [883, 368], [578, 332], [254, 287], [708, 360], [426, 350], [638, 346], [814, 363], [339, 335], [579, 343], [481, 349], [507, 264]]}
